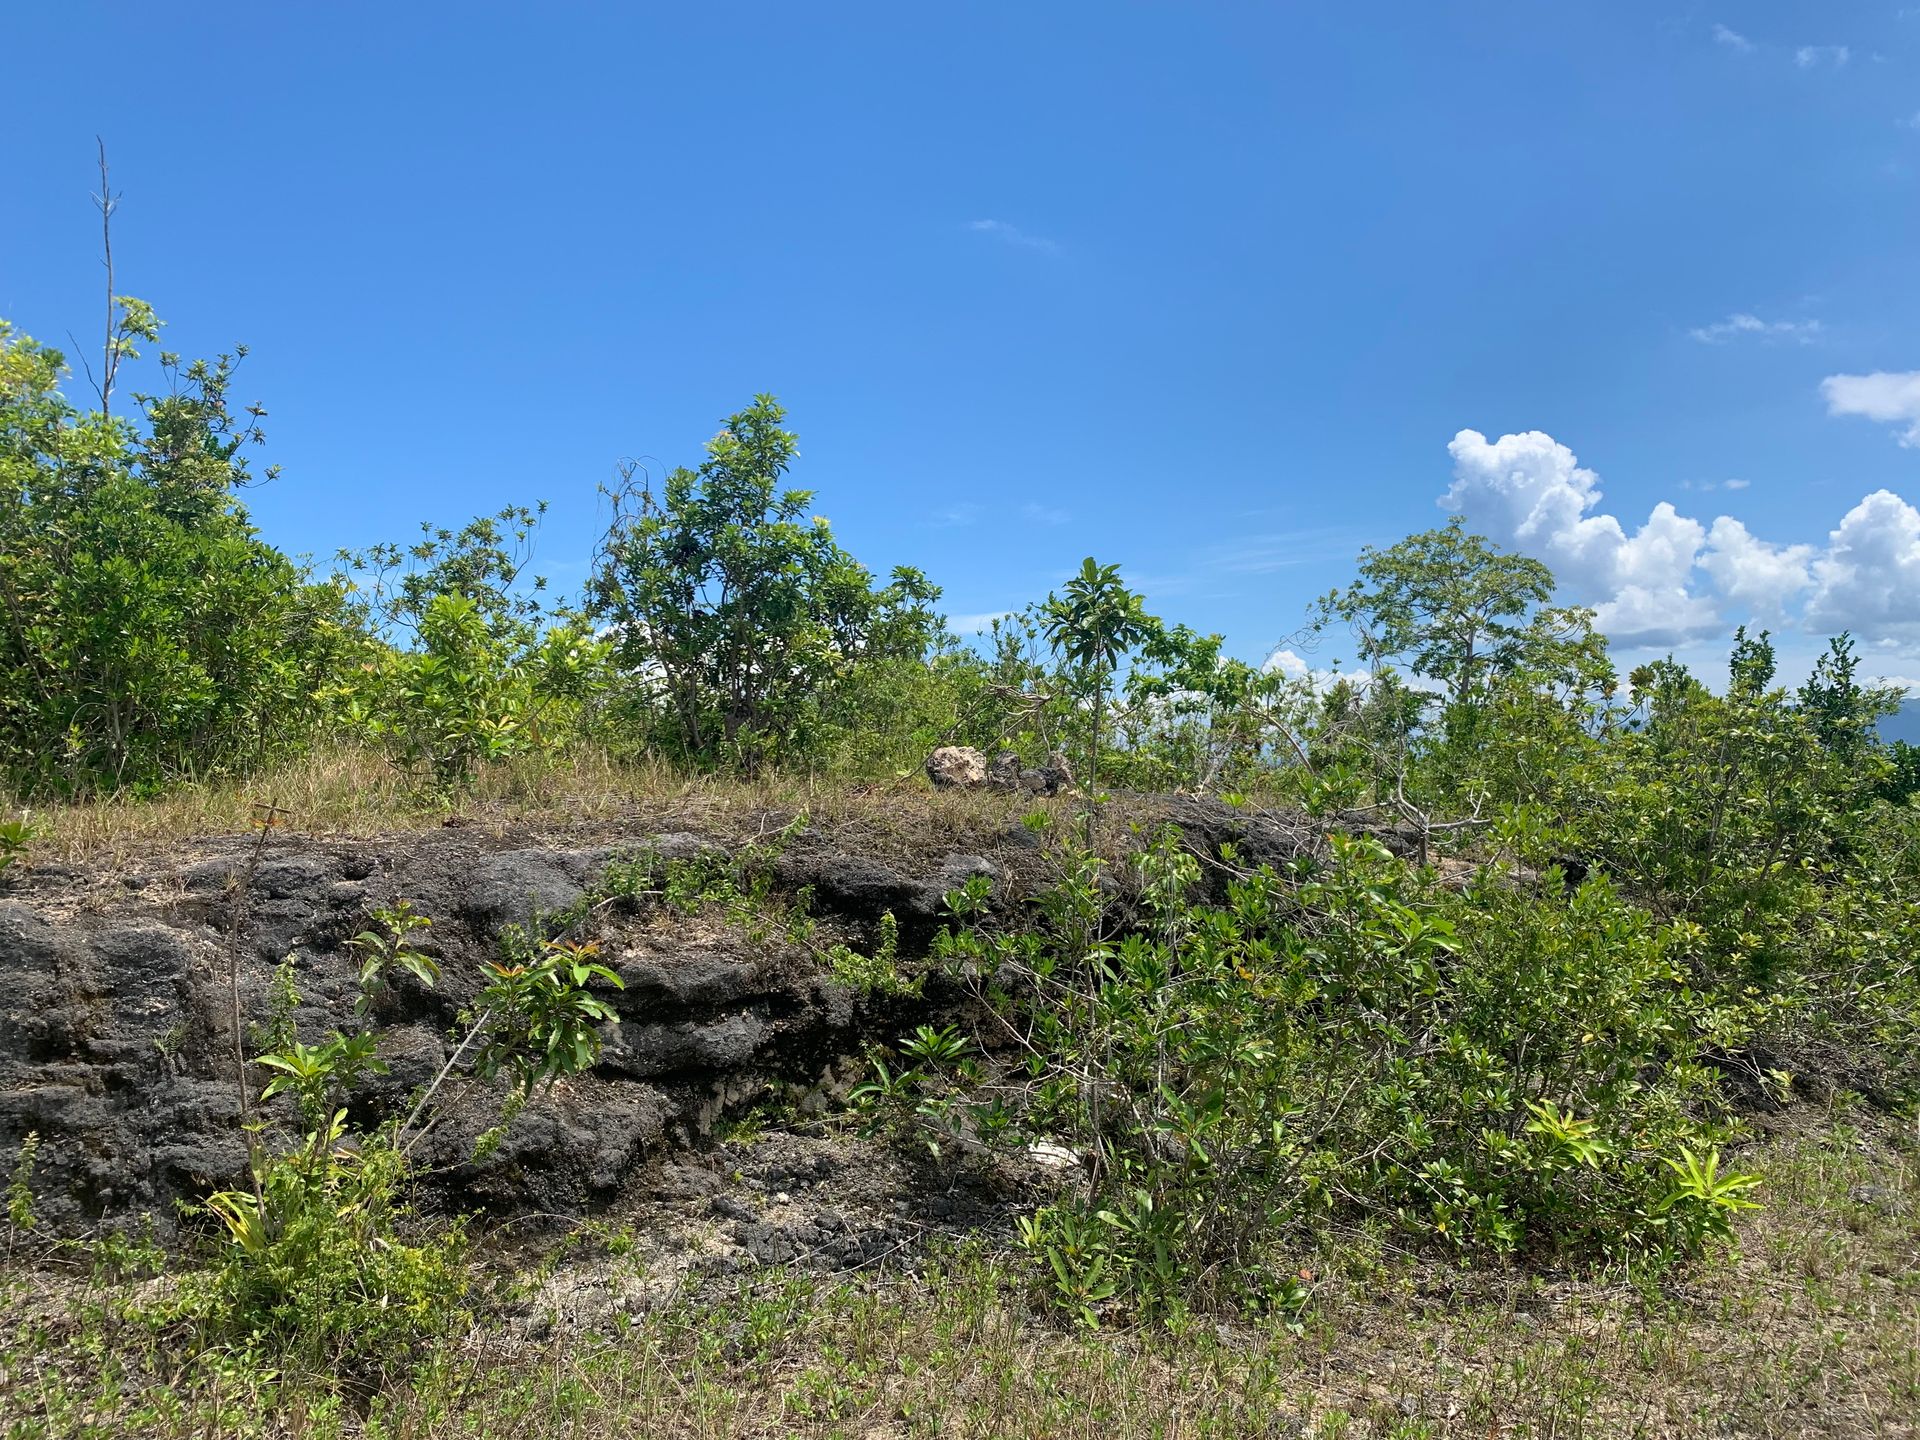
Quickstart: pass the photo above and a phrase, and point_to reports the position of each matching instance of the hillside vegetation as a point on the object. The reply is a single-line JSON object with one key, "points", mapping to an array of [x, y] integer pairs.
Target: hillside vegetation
{"points": [[1468, 1039]]}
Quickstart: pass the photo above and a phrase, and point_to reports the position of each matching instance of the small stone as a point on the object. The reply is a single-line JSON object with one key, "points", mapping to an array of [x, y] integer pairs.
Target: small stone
{"points": [[1879, 1198], [1049, 1156]]}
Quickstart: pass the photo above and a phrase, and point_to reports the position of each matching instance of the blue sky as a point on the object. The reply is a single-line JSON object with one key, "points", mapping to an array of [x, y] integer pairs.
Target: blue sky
{"points": [[1216, 291]]}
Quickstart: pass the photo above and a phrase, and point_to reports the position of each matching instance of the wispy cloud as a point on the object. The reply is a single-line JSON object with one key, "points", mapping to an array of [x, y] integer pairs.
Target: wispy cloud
{"points": [[1734, 326], [955, 515], [1263, 554], [1809, 57], [1014, 235], [1715, 484], [1260, 555], [1044, 514]]}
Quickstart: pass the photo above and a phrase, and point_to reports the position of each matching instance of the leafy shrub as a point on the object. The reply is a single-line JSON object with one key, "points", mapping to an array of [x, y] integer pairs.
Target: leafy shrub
{"points": [[14, 837], [470, 668], [320, 1267], [1758, 816], [878, 973], [20, 1213], [147, 633], [326, 1262], [1498, 1071]]}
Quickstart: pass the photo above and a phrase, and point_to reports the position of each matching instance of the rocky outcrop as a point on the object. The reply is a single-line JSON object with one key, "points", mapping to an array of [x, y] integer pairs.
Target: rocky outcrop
{"points": [[116, 1034], [116, 994], [1053, 778], [961, 767]]}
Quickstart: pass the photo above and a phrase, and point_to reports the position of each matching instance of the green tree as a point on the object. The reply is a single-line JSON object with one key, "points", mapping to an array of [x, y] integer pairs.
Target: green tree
{"points": [[1093, 624], [1516, 675], [147, 633], [1844, 713], [735, 618], [1452, 607]]}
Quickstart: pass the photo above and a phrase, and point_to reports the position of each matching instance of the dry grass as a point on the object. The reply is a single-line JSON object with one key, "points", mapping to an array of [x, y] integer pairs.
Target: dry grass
{"points": [[346, 791], [1812, 1329]]}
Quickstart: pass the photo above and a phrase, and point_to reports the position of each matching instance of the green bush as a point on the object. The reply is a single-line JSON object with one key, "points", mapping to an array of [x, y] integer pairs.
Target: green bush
{"points": [[14, 838], [147, 633], [330, 1268], [326, 1263], [1505, 1070], [469, 667]]}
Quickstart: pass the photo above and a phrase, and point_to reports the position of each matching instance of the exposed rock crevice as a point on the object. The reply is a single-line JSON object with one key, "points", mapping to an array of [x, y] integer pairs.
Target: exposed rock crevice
{"points": [[116, 1044]]}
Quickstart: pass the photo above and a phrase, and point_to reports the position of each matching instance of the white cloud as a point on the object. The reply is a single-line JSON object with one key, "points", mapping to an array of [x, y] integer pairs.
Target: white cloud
{"points": [[1721, 331], [1890, 396], [1528, 491], [1261, 554], [1013, 235], [1638, 615], [1869, 579], [1296, 671], [1754, 574], [1286, 663], [1808, 57], [1674, 579], [1732, 39]]}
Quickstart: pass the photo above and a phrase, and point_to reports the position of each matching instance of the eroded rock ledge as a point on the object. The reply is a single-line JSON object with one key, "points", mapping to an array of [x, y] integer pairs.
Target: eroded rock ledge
{"points": [[116, 1042]]}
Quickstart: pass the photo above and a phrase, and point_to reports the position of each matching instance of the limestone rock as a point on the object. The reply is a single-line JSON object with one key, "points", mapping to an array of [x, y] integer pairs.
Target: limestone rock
{"points": [[956, 767]]}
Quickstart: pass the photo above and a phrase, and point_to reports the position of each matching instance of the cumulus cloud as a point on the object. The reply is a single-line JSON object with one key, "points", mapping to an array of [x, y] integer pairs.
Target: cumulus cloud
{"points": [[1869, 579], [1757, 575], [1731, 39], [1734, 326], [1668, 615], [1673, 579], [1285, 662], [1530, 492], [1889, 396], [1295, 670]]}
